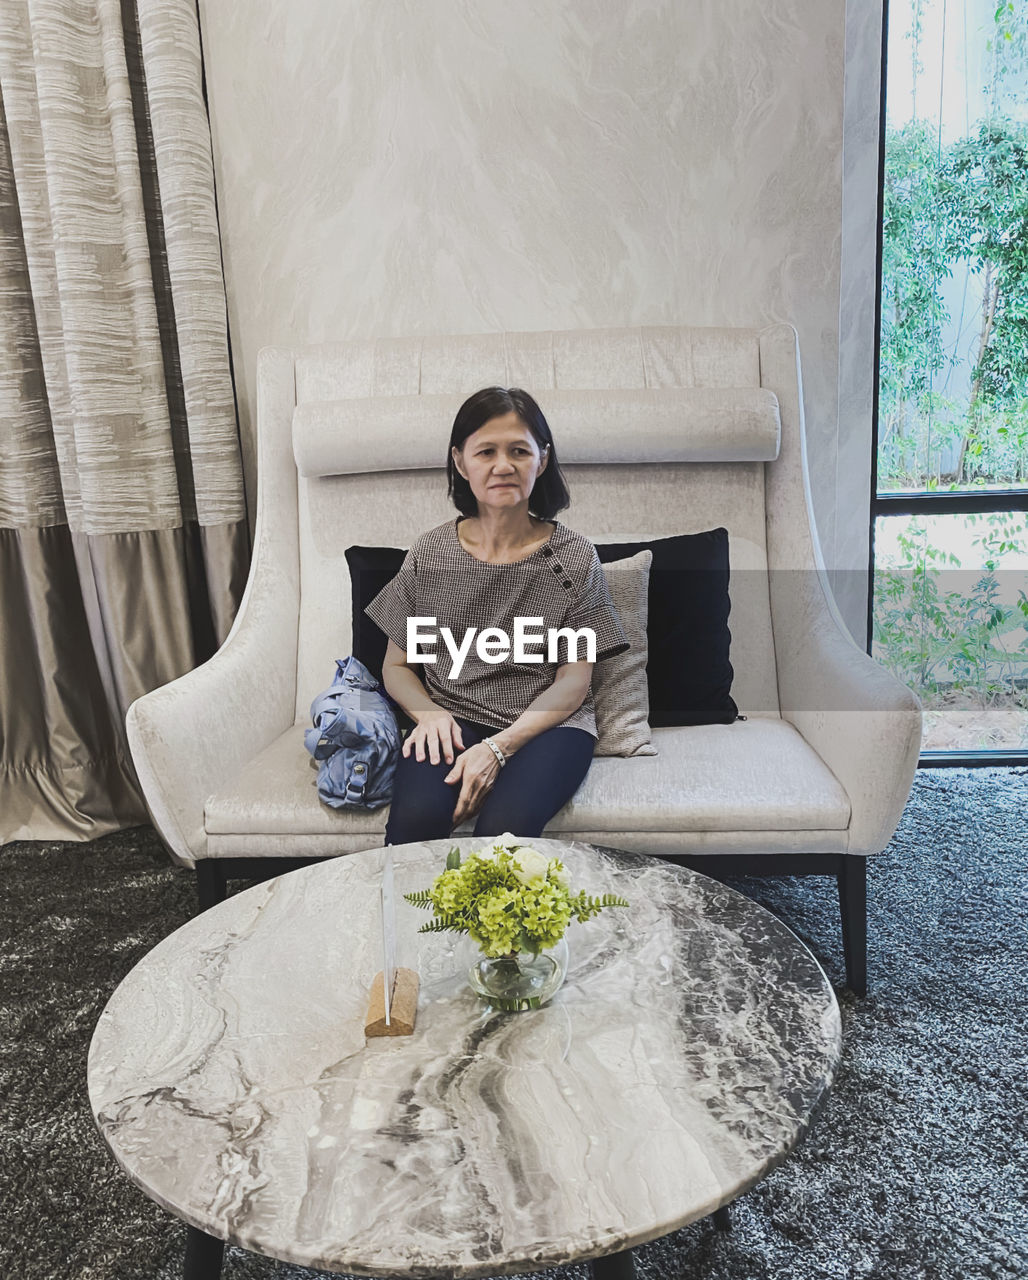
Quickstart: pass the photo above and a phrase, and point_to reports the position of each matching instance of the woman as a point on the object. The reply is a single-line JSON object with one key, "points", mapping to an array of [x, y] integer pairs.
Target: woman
{"points": [[508, 736]]}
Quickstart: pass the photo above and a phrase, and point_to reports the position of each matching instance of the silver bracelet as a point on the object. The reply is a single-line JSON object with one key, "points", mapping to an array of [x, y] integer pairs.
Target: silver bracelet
{"points": [[496, 751]]}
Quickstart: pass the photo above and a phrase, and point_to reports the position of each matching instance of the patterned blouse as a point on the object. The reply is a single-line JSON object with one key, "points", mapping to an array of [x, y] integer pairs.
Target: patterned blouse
{"points": [[562, 582]]}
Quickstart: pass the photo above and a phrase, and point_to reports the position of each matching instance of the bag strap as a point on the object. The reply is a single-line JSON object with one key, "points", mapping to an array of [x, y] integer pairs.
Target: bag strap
{"points": [[318, 745], [356, 782]]}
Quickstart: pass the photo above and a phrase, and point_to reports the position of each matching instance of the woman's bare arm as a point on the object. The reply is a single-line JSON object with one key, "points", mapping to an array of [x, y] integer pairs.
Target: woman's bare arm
{"points": [[403, 684], [436, 734]]}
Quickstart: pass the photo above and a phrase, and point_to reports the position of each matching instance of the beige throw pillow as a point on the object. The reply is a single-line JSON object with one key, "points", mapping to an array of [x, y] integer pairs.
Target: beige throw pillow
{"points": [[619, 687]]}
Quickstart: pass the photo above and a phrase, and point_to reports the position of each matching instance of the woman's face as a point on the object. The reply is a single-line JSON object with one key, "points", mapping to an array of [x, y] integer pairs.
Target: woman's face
{"points": [[501, 462]]}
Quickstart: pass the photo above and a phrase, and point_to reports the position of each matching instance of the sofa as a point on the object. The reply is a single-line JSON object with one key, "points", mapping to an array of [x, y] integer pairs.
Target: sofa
{"points": [[661, 430]]}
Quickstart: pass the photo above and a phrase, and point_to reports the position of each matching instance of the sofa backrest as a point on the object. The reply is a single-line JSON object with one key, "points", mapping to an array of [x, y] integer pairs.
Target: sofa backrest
{"points": [[659, 430]]}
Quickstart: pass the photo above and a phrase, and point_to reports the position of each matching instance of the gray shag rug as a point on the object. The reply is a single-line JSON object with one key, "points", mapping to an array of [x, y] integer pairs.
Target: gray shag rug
{"points": [[915, 1169]]}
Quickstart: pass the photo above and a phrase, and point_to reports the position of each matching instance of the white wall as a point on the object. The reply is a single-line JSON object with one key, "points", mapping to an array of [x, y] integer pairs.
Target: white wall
{"points": [[388, 168]]}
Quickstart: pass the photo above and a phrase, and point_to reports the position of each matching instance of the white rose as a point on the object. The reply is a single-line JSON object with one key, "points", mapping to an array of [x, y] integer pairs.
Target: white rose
{"points": [[507, 841], [530, 865], [561, 877]]}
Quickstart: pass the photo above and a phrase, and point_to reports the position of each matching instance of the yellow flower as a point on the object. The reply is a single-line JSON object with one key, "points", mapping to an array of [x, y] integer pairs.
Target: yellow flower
{"points": [[497, 922], [449, 892]]}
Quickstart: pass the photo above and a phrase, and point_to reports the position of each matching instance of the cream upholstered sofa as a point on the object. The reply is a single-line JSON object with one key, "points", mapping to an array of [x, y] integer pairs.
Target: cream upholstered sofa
{"points": [[662, 430]]}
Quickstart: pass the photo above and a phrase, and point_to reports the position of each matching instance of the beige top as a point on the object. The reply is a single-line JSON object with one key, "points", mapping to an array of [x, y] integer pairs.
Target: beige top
{"points": [[561, 582]]}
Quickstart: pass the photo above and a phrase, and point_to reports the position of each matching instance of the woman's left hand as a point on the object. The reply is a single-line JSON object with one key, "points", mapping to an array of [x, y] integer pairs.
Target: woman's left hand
{"points": [[475, 770]]}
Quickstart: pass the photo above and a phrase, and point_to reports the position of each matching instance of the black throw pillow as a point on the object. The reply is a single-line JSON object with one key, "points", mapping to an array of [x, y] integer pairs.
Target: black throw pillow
{"points": [[687, 671], [371, 568]]}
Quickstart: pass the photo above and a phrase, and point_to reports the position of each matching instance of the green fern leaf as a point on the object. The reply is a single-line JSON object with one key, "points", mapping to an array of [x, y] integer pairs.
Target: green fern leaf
{"points": [[420, 898], [443, 924]]}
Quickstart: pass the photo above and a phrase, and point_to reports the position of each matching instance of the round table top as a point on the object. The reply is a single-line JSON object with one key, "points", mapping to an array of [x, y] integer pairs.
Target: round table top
{"points": [[681, 1060]]}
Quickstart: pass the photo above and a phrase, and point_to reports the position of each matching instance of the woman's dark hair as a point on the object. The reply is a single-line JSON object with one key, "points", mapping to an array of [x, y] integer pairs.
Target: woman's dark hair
{"points": [[550, 493]]}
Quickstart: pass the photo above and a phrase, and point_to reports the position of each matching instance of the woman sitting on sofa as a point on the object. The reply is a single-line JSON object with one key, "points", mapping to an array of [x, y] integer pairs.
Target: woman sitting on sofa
{"points": [[509, 740]]}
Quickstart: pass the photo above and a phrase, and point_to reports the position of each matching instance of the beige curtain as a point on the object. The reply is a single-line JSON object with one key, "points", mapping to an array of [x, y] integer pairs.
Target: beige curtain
{"points": [[123, 533]]}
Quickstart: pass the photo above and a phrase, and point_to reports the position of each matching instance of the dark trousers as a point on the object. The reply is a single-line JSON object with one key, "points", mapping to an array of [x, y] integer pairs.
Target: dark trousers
{"points": [[535, 782]]}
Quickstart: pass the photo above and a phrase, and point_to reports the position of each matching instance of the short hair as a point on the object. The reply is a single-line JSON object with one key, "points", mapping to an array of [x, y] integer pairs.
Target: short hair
{"points": [[550, 493]]}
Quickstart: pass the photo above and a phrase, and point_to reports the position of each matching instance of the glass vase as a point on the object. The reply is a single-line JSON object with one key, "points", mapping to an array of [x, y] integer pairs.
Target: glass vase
{"points": [[519, 980]]}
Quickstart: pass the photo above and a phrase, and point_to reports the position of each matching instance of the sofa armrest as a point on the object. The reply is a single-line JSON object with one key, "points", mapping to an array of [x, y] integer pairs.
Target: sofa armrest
{"points": [[193, 735], [863, 722]]}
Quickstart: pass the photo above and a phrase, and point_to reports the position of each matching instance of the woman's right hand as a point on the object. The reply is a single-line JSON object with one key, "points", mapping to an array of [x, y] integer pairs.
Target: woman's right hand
{"points": [[436, 732]]}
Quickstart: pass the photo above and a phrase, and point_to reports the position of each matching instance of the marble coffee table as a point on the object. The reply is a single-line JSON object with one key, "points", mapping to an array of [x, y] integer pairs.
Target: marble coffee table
{"points": [[680, 1062]]}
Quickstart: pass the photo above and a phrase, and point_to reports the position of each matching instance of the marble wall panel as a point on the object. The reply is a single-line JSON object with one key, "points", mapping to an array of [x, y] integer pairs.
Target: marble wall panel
{"points": [[389, 168]]}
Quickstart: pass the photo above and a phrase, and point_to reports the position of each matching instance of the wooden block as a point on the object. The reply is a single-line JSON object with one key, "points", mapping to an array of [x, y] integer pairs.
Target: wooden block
{"points": [[403, 1008]]}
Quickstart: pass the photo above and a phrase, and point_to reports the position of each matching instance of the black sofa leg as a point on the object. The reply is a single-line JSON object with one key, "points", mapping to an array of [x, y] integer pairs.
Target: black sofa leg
{"points": [[852, 879], [615, 1266], [204, 1255], [210, 883]]}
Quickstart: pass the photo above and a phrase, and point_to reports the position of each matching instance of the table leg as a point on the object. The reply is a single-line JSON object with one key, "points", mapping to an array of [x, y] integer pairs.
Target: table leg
{"points": [[615, 1266], [203, 1255]]}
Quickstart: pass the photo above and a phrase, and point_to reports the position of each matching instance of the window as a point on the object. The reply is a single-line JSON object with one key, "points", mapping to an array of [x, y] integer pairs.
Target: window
{"points": [[949, 608]]}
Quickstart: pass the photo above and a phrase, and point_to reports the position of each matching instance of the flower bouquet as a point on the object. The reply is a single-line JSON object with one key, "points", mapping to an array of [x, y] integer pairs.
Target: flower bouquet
{"points": [[515, 905]]}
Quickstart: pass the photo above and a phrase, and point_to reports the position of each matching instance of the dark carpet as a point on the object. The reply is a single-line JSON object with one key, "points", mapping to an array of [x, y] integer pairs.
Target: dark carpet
{"points": [[916, 1168]]}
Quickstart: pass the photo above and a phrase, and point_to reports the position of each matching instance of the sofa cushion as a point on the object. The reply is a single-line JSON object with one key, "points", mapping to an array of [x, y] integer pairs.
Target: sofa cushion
{"points": [[277, 792], [756, 775], [619, 687], [688, 672], [662, 424], [371, 569]]}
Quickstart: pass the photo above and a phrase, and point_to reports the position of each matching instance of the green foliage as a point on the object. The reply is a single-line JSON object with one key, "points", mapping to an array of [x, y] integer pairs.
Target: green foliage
{"points": [[913, 262], [967, 202], [422, 898], [508, 897], [444, 924], [930, 637], [964, 202], [956, 388], [585, 908], [1008, 47], [983, 192]]}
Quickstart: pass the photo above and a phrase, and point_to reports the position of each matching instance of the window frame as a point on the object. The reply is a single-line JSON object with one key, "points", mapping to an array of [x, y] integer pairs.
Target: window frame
{"points": [[901, 503]]}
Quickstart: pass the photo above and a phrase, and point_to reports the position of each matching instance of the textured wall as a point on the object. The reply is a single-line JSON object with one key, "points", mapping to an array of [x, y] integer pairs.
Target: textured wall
{"points": [[389, 168]]}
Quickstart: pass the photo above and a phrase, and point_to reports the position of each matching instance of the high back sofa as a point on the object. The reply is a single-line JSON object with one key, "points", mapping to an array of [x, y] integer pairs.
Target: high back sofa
{"points": [[660, 430]]}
